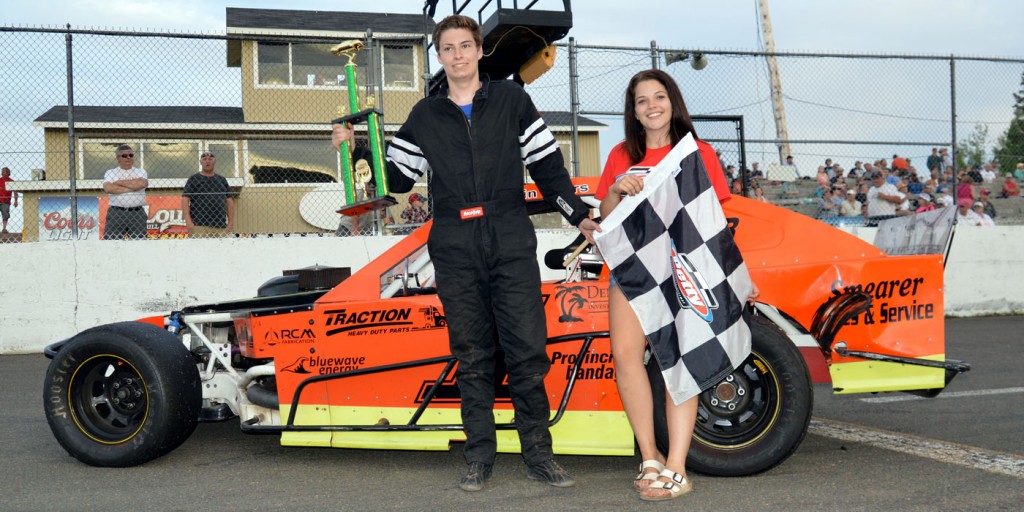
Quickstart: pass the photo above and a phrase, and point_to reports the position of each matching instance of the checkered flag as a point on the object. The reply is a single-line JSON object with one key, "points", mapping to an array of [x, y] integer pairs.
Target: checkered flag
{"points": [[672, 254]]}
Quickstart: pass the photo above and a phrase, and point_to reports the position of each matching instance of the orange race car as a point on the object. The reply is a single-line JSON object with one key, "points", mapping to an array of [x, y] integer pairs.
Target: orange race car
{"points": [[362, 361]]}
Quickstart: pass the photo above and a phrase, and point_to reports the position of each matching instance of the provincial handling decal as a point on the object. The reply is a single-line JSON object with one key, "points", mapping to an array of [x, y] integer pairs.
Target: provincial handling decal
{"points": [[692, 290]]}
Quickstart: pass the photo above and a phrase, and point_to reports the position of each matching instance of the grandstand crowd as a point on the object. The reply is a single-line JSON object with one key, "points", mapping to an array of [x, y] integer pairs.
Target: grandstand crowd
{"points": [[869, 192]]}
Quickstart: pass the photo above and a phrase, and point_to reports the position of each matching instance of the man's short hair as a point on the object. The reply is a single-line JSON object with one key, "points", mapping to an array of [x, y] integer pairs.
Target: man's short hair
{"points": [[122, 147], [456, 21]]}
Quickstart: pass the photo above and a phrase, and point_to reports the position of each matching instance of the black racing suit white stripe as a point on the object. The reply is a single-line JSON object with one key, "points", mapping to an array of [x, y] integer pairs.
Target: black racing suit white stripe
{"points": [[486, 267]]}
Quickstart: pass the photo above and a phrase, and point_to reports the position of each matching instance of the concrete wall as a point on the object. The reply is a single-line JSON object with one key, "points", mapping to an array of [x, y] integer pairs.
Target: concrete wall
{"points": [[53, 290]]}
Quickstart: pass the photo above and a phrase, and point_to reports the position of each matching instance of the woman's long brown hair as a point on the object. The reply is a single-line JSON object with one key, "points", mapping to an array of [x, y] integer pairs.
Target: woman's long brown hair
{"points": [[680, 124]]}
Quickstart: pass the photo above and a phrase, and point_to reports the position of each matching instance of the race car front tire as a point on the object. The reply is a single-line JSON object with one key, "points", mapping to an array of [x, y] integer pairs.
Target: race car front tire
{"points": [[762, 417], [122, 394]]}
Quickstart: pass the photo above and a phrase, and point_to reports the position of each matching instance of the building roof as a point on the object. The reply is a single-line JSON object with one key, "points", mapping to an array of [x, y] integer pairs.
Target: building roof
{"points": [[213, 118], [286, 21], [142, 115]]}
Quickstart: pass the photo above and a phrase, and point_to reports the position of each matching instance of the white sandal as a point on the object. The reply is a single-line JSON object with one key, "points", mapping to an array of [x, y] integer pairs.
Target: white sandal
{"points": [[645, 479], [677, 486]]}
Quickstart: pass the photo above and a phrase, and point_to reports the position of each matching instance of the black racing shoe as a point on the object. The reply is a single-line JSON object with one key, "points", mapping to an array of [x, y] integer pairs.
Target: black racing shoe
{"points": [[475, 476], [550, 473]]}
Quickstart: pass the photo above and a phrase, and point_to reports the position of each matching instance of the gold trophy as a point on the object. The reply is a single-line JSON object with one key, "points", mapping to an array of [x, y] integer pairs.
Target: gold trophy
{"points": [[363, 173]]}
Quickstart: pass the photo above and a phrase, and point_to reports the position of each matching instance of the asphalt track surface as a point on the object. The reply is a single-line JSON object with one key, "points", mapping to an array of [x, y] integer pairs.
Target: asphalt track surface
{"points": [[963, 450]]}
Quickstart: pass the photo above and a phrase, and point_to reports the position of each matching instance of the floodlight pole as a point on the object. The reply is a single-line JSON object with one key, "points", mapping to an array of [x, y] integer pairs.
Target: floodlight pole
{"points": [[781, 132]]}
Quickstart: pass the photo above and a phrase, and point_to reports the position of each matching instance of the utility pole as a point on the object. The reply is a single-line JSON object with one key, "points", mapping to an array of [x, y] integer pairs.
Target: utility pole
{"points": [[781, 132]]}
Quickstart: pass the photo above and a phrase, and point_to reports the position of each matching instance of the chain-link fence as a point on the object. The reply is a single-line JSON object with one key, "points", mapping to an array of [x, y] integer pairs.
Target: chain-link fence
{"points": [[262, 106]]}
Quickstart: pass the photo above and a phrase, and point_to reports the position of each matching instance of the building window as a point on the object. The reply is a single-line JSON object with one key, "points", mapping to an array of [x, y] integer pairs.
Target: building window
{"points": [[313, 65], [291, 161], [162, 159]]}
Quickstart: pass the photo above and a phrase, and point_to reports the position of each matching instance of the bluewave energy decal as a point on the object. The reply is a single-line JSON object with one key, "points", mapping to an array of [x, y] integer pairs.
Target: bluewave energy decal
{"points": [[671, 252]]}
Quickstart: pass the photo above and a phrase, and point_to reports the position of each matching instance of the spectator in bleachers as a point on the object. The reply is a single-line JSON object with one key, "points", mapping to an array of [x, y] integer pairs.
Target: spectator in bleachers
{"points": [[924, 203], [838, 172], [914, 184], [759, 195], [947, 161], [857, 171], [988, 174], [828, 204], [416, 212], [737, 187], [899, 163], [904, 208], [975, 173], [755, 172], [868, 169], [1010, 188], [824, 183], [730, 173], [1019, 171], [851, 207], [828, 168], [934, 161], [883, 198], [983, 198], [944, 200], [965, 190], [965, 215], [883, 166], [863, 186], [947, 177], [979, 210], [791, 167], [934, 180]]}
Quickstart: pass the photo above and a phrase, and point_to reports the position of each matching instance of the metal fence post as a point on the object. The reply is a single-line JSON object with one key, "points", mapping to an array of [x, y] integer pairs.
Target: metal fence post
{"points": [[574, 108], [654, 54], [952, 111], [72, 175]]}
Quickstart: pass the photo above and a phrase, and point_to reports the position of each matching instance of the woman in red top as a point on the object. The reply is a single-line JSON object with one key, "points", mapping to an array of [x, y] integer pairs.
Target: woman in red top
{"points": [[655, 120]]}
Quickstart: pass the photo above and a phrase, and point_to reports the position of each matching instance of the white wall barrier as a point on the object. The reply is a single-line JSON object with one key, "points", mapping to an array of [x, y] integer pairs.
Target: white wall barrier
{"points": [[51, 291]]}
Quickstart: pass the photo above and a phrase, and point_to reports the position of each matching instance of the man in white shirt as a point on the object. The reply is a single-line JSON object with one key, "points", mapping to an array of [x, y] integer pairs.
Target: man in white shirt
{"points": [[883, 198], [988, 175], [126, 186]]}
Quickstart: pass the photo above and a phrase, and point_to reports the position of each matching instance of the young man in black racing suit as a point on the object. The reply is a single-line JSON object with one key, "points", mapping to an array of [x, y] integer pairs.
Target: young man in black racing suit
{"points": [[474, 136]]}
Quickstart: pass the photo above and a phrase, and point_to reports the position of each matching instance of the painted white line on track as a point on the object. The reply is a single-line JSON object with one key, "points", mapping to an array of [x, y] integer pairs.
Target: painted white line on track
{"points": [[1001, 463], [951, 394]]}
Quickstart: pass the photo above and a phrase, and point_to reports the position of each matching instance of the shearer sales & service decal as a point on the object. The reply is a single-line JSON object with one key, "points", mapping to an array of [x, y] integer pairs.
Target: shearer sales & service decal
{"points": [[889, 300]]}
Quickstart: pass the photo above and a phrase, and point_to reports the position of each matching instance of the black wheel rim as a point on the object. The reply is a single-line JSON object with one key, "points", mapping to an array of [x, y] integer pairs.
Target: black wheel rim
{"points": [[108, 399], [742, 408]]}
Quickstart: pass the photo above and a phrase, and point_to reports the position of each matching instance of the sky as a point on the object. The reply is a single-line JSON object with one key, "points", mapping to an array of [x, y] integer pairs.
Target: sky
{"points": [[942, 27]]}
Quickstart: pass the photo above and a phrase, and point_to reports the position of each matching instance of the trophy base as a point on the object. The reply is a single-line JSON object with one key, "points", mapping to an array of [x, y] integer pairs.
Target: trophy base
{"points": [[358, 117], [369, 205]]}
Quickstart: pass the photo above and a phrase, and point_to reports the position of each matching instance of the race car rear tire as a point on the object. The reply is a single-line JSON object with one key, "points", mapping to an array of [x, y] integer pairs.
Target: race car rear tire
{"points": [[122, 394], [769, 420]]}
